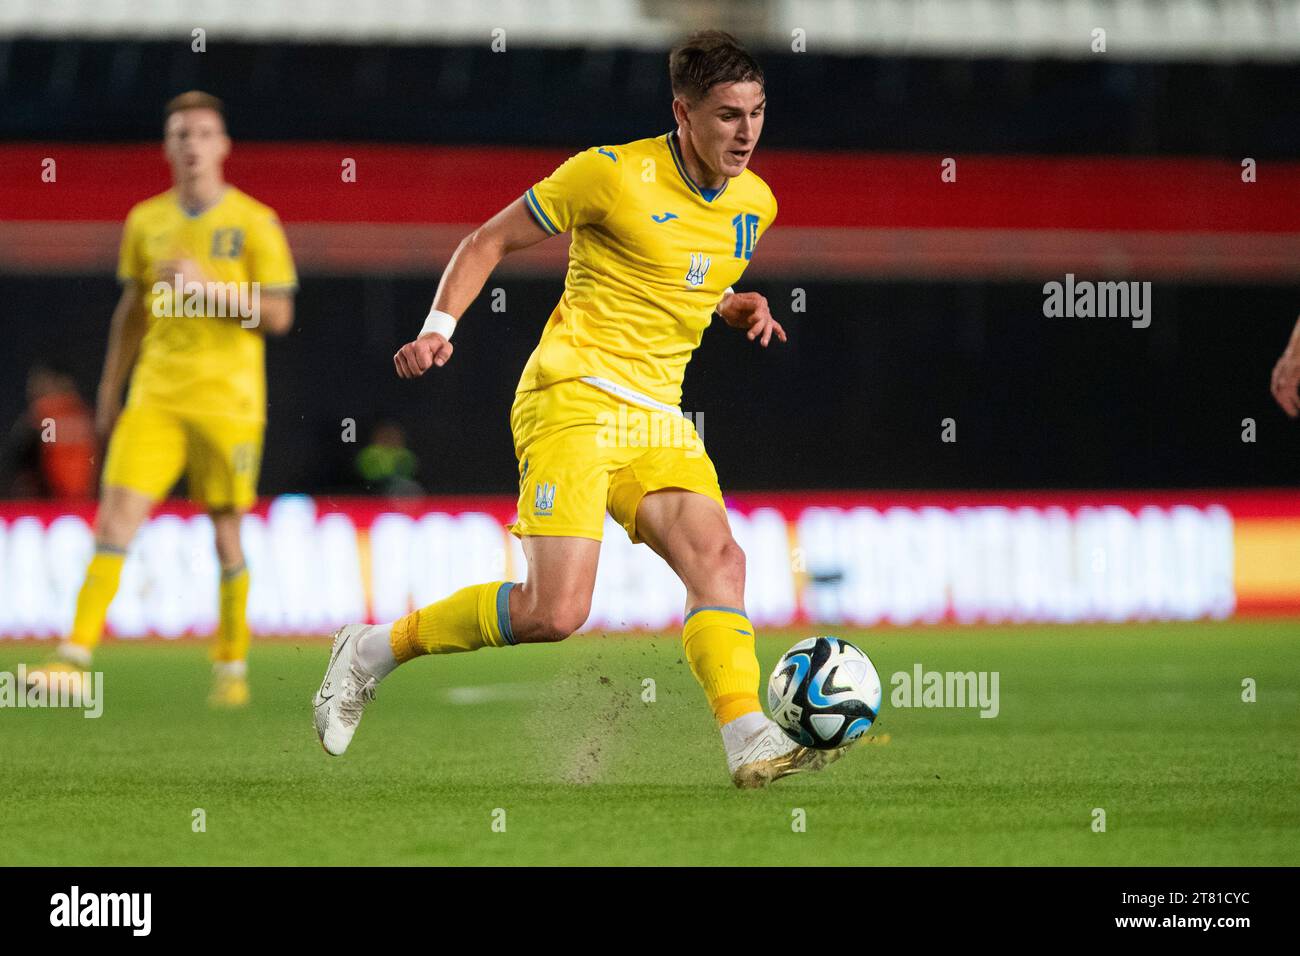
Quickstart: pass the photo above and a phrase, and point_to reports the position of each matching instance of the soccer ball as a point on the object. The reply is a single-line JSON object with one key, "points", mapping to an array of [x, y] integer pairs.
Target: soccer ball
{"points": [[824, 693]]}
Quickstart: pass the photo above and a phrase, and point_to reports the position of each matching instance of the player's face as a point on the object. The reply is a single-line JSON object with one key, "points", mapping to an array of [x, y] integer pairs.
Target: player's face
{"points": [[195, 143], [725, 126]]}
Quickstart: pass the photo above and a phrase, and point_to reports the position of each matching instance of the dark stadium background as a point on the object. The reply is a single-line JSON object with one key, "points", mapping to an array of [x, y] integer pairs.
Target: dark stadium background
{"points": [[879, 358]]}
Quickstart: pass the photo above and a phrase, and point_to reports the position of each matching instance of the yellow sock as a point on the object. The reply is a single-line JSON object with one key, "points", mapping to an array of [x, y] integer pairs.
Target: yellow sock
{"points": [[719, 645], [97, 590], [473, 617], [233, 635]]}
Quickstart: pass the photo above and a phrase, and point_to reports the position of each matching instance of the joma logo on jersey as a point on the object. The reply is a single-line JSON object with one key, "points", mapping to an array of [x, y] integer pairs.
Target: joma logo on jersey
{"points": [[698, 270], [544, 499]]}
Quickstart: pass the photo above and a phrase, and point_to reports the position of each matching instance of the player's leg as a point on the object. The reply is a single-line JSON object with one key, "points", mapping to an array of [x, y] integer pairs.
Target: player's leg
{"points": [[121, 513], [549, 606], [224, 457], [691, 533], [145, 456], [562, 492], [689, 530], [669, 497], [233, 637]]}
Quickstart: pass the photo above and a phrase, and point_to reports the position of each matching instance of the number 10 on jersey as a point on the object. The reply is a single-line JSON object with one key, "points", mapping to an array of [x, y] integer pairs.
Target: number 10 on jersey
{"points": [[746, 229]]}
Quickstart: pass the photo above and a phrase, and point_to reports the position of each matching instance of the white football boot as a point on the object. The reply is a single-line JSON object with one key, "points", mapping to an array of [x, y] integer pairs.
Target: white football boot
{"points": [[344, 693], [769, 754]]}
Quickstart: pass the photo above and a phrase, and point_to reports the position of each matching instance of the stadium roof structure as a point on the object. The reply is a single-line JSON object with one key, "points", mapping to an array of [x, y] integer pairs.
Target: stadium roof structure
{"points": [[1133, 29]]}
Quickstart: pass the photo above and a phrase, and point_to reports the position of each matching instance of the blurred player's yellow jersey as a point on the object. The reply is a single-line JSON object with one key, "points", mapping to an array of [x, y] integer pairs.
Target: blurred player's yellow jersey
{"points": [[652, 254], [196, 356]]}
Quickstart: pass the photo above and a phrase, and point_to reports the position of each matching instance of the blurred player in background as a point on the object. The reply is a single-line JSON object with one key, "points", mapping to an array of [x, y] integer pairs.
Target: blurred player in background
{"points": [[387, 466], [662, 228], [205, 273], [50, 451]]}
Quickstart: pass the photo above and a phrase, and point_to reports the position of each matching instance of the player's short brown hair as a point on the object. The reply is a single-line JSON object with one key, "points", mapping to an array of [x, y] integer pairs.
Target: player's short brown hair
{"points": [[707, 58], [194, 100]]}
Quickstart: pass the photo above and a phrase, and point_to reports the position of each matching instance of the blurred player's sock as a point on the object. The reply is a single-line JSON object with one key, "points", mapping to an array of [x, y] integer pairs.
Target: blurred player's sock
{"points": [[473, 617], [229, 684], [719, 644], [97, 590], [233, 635]]}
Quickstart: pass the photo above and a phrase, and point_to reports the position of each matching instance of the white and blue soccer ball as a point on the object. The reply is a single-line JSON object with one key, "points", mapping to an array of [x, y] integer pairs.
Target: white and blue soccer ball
{"points": [[824, 693]]}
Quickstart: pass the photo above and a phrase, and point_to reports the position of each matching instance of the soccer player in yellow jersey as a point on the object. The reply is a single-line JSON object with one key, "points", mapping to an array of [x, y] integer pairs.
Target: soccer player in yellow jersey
{"points": [[206, 273], [661, 229]]}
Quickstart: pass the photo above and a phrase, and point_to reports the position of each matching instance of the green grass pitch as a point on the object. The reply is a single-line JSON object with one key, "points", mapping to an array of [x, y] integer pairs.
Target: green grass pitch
{"points": [[1145, 722]]}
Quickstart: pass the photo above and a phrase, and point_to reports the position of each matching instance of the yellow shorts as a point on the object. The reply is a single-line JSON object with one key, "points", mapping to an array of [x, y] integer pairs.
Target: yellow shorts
{"points": [[220, 456], [583, 452]]}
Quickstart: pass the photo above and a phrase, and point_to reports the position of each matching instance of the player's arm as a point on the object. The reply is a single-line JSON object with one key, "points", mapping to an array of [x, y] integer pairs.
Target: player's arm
{"points": [[125, 334], [271, 269], [477, 255], [275, 313], [1286, 375]]}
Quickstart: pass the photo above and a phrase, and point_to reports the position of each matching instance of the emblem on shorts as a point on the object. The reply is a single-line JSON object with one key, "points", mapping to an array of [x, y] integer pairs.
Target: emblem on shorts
{"points": [[699, 268], [544, 499]]}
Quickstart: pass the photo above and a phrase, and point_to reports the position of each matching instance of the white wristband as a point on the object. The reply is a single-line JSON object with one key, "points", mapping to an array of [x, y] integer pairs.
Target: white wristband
{"points": [[440, 322], [729, 290]]}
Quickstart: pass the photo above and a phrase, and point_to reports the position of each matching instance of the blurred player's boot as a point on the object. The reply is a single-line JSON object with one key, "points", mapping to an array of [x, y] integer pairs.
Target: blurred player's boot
{"points": [[68, 665], [69, 660], [343, 695], [229, 685], [769, 755]]}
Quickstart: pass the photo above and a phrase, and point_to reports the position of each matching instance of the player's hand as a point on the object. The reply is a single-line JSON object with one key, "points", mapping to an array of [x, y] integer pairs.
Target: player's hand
{"points": [[415, 358], [186, 268], [748, 310], [1286, 382]]}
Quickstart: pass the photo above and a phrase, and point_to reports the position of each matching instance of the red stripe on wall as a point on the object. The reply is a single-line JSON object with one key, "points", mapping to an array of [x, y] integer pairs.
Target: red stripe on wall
{"points": [[406, 184], [353, 248]]}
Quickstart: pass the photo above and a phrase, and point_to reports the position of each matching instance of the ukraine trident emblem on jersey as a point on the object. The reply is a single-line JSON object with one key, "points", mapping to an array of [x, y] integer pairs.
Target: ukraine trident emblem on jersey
{"points": [[699, 268]]}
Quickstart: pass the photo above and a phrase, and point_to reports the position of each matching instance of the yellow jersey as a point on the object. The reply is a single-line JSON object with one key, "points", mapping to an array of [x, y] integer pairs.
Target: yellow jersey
{"points": [[197, 355], [651, 255]]}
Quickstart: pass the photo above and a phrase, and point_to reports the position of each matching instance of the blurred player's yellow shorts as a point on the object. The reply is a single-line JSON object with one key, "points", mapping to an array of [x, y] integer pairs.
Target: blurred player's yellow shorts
{"points": [[220, 456], [583, 451]]}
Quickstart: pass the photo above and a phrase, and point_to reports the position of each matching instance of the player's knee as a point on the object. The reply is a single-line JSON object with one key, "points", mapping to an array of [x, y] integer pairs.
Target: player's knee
{"points": [[230, 552], [562, 618], [728, 565], [115, 527], [230, 555]]}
